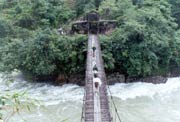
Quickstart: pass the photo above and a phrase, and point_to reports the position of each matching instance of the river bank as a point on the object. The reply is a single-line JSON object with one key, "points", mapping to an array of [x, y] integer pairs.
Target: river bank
{"points": [[112, 78], [116, 77]]}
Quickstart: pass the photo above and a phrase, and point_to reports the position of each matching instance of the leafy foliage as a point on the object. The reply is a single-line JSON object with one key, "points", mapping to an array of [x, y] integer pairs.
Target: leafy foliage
{"points": [[30, 42], [12, 103], [82, 6], [145, 42], [45, 54], [176, 10]]}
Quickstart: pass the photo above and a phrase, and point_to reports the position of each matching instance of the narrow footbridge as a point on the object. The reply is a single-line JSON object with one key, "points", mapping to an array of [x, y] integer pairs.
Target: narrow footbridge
{"points": [[96, 105]]}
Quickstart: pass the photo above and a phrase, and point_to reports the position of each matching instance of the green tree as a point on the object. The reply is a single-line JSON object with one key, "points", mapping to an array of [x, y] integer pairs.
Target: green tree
{"points": [[5, 29], [176, 10], [83, 6], [145, 42], [142, 43], [45, 54]]}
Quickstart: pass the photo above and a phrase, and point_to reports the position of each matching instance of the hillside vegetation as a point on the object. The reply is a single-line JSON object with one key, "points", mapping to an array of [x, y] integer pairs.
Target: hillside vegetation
{"points": [[145, 42]]}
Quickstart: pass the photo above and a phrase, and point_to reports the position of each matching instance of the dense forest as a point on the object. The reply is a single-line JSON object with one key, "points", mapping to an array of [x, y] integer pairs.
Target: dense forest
{"points": [[146, 41]]}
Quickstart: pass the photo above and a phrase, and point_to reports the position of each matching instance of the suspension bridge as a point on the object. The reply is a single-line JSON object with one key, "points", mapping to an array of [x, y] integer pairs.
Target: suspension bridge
{"points": [[96, 103]]}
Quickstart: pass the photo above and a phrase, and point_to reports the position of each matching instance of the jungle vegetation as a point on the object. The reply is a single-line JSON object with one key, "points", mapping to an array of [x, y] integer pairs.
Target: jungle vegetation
{"points": [[146, 41]]}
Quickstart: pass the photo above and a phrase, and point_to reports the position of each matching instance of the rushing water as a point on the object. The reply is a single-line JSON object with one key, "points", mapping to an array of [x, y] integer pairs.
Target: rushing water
{"points": [[136, 102]]}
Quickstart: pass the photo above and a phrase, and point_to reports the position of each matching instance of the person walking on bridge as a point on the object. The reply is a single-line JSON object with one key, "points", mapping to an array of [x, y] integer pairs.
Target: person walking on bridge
{"points": [[95, 67], [94, 49]]}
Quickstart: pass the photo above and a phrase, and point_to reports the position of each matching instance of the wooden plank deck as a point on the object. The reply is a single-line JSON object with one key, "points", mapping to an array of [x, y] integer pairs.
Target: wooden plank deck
{"points": [[96, 105]]}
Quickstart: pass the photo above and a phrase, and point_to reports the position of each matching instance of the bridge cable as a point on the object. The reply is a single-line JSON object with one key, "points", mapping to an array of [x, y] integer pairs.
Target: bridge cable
{"points": [[82, 114], [116, 111]]}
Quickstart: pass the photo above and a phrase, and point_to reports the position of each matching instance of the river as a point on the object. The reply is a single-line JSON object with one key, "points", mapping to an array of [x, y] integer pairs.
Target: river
{"points": [[136, 102]]}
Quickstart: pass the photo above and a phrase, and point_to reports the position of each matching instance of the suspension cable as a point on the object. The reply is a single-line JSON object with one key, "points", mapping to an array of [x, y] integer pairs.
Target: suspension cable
{"points": [[82, 114], [116, 111]]}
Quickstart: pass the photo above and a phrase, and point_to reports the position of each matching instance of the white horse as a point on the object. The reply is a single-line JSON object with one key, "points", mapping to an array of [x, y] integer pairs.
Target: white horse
{"points": [[97, 83]]}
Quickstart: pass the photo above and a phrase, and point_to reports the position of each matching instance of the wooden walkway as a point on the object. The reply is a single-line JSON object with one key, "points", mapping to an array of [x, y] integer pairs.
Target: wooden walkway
{"points": [[96, 105]]}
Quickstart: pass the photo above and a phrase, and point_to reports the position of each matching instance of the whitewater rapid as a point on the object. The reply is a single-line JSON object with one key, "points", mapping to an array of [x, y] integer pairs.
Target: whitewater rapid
{"points": [[139, 89], [136, 102]]}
